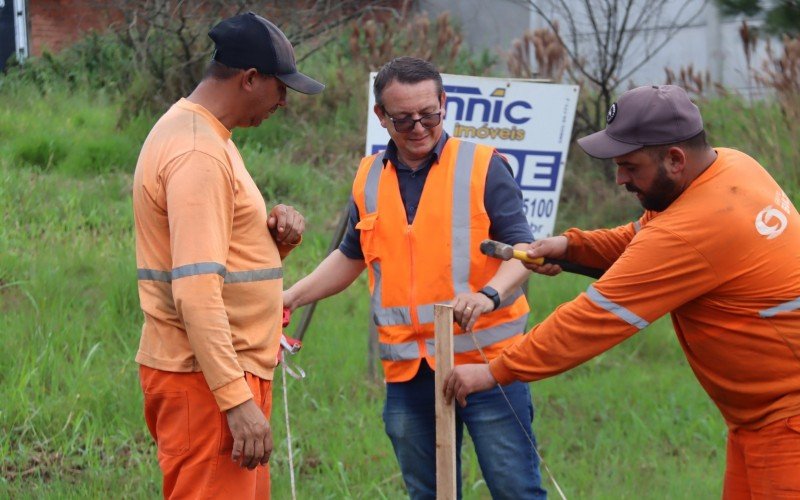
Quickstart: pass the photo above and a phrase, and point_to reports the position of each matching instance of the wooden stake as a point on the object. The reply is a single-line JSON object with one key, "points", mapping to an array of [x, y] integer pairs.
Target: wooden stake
{"points": [[445, 414]]}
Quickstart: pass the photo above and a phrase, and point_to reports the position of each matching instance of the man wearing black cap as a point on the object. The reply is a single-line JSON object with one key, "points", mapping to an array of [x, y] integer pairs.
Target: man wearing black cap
{"points": [[209, 267], [717, 247]]}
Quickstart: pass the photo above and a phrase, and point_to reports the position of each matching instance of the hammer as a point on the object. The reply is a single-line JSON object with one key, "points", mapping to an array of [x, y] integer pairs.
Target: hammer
{"points": [[506, 252]]}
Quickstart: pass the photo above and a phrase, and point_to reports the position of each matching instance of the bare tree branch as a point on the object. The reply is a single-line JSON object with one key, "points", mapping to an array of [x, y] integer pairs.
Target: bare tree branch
{"points": [[617, 39]]}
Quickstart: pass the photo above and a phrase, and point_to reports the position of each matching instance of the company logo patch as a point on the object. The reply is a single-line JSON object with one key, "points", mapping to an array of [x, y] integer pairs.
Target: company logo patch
{"points": [[771, 222], [612, 113]]}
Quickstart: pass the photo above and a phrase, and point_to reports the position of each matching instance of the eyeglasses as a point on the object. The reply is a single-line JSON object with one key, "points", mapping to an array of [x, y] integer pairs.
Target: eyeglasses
{"points": [[407, 124]]}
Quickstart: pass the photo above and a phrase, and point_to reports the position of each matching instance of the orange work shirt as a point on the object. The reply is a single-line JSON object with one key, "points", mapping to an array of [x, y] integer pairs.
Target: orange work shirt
{"points": [[724, 260], [210, 275]]}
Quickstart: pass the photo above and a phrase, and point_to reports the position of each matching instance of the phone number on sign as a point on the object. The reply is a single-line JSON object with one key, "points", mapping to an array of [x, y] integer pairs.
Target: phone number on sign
{"points": [[537, 207]]}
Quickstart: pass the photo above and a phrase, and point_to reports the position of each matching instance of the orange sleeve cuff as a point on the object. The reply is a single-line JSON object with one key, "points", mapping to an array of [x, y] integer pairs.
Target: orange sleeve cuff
{"points": [[571, 250], [232, 394], [500, 372]]}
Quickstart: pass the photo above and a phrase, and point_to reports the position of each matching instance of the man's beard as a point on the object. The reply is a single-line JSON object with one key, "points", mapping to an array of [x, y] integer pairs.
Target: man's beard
{"points": [[661, 194]]}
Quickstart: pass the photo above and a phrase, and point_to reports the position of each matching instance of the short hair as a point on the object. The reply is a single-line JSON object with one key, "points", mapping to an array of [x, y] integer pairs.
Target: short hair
{"points": [[697, 142], [405, 70], [219, 71]]}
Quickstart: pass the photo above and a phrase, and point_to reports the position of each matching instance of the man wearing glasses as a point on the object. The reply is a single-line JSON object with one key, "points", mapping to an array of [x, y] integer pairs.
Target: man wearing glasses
{"points": [[419, 210]]}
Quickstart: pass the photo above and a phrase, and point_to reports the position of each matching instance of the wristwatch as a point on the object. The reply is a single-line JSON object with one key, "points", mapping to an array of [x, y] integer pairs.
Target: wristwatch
{"points": [[492, 294]]}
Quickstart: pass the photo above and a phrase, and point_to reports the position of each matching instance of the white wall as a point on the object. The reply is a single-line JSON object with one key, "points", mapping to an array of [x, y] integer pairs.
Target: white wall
{"points": [[711, 44], [486, 24]]}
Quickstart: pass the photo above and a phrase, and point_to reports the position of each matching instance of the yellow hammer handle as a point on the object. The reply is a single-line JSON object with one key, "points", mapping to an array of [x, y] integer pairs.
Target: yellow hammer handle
{"points": [[523, 256]]}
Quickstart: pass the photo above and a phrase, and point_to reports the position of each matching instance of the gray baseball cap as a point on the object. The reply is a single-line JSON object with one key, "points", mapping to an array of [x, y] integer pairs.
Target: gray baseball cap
{"points": [[250, 41], [645, 116]]}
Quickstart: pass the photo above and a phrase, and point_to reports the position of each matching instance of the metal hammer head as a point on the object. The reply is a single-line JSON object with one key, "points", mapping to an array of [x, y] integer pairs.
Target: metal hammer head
{"points": [[497, 250]]}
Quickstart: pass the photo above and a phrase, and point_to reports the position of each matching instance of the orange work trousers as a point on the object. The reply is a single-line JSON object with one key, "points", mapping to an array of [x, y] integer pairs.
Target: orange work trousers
{"points": [[193, 437], [764, 463]]}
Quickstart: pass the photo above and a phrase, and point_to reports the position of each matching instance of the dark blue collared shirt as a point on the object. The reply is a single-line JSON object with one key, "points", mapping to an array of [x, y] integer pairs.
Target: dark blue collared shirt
{"points": [[502, 199]]}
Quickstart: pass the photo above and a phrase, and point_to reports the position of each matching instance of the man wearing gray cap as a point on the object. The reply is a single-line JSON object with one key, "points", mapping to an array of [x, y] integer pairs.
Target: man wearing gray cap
{"points": [[209, 257], [718, 248]]}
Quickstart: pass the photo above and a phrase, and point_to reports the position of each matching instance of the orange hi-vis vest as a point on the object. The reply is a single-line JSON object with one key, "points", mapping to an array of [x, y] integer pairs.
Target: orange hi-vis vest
{"points": [[414, 266]]}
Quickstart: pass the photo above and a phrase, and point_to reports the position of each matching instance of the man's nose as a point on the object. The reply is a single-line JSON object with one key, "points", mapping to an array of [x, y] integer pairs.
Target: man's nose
{"points": [[622, 176]]}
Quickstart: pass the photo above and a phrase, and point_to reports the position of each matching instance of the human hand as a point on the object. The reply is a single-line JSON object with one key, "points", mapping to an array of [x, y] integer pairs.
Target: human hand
{"points": [[466, 379], [467, 308], [554, 247], [286, 224], [252, 435], [288, 300]]}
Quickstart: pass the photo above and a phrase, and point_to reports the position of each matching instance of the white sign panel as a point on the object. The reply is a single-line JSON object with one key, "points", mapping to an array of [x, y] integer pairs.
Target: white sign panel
{"points": [[530, 123]]}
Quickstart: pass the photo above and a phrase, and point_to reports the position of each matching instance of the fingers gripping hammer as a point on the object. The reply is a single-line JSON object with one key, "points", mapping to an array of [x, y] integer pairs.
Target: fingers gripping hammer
{"points": [[504, 251]]}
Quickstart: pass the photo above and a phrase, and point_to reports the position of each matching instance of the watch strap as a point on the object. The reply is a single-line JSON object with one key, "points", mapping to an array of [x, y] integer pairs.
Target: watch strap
{"points": [[493, 295]]}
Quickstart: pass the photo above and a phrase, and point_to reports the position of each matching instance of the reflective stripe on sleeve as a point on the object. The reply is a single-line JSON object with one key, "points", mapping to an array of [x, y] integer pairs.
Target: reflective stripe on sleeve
{"points": [[153, 275], [199, 268], [785, 307], [615, 309]]}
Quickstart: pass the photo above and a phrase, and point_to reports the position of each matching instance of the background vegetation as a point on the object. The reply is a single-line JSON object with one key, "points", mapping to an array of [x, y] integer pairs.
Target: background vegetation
{"points": [[630, 423]]}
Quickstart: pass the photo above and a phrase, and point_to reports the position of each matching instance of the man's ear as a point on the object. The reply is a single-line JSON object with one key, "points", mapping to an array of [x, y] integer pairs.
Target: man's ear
{"points": [[248, 78], [378, 109], [676, 160], [442, 102]]}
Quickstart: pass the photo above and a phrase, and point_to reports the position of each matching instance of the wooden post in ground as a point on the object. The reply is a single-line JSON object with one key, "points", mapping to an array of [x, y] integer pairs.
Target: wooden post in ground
{"points": [[445, 414]]}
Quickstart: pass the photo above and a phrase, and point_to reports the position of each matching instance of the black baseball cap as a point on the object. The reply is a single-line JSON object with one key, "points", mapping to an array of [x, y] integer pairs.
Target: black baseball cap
{"points": [[645, 116], [250, 41]]}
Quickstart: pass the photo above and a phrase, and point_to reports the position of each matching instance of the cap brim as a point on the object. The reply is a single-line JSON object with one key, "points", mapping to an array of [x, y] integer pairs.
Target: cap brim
{"points": [[600, 145], [301, 83]]}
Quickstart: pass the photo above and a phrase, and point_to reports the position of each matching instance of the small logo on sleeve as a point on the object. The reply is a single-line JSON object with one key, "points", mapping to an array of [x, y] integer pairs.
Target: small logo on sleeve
{"points": [[771, 222]]}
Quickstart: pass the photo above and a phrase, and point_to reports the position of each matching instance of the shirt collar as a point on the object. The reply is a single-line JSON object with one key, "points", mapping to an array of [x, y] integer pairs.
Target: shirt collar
{"points": [[436, 153]]}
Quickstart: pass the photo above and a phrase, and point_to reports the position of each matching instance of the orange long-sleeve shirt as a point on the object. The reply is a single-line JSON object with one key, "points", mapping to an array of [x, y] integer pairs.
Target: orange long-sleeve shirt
{"points": [[724, 260], [210, 275]]}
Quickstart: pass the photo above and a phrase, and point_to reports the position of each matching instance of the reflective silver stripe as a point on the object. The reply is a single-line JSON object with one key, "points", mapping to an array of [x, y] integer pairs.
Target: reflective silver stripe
{"points": [[615, 309], [637, 226], [386, 316], [270, 273], [399, 352], [153, 275], [199, 268], [391, 316], [371, 187], [460, 243], [425, 311], [464, 342], [785, 307]]}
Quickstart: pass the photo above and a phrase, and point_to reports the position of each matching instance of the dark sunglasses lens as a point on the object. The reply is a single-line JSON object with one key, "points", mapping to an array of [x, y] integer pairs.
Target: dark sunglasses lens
{"points": [[404, 125], [430, 121]]}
